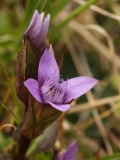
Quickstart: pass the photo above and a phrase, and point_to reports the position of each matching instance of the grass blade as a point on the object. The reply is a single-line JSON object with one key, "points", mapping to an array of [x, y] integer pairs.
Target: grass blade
{"points": [[10, 112], [75, 12]]}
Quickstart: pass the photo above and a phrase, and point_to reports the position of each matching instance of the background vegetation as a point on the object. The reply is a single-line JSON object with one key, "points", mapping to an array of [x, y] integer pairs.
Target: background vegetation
{"points": [[88, 34]]}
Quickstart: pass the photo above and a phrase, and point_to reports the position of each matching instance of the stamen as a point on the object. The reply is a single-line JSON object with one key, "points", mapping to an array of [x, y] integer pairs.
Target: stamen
{"points": [[53, 91]]}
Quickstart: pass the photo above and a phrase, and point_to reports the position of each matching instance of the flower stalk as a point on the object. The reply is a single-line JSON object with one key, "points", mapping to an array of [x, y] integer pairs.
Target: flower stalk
{"points": [[23, 147]]}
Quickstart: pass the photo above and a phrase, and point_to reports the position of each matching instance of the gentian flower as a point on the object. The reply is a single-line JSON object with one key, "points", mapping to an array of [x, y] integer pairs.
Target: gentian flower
{"points": [[37, 73], [29, 56], [70, 153], [37, 30], [50, 89]]}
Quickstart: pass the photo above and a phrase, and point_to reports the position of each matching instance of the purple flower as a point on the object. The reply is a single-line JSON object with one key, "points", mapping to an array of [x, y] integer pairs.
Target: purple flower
{"points": [[50, 89], [29, 56], [37, 30], [70, 153]]}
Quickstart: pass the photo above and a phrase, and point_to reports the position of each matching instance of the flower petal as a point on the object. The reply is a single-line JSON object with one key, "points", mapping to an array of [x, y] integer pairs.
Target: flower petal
{"points": [[32, 23], [48, 68], [35, 26], [78, 86], [33, 86], [43, 32], [60, 107], [60, 156], [71, 151]]}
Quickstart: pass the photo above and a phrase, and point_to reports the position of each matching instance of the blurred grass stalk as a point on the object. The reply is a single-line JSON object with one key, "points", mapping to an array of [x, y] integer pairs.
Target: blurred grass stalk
{"points": [[11, 113], [75, 12], [112, 157]]}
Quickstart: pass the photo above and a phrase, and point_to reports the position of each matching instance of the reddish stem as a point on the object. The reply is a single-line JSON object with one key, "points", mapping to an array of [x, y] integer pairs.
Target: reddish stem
{"points": [[23, 146]]}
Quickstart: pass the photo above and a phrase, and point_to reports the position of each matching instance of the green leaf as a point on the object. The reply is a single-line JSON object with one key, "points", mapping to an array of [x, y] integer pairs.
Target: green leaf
{"points": [[43, 156]]}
